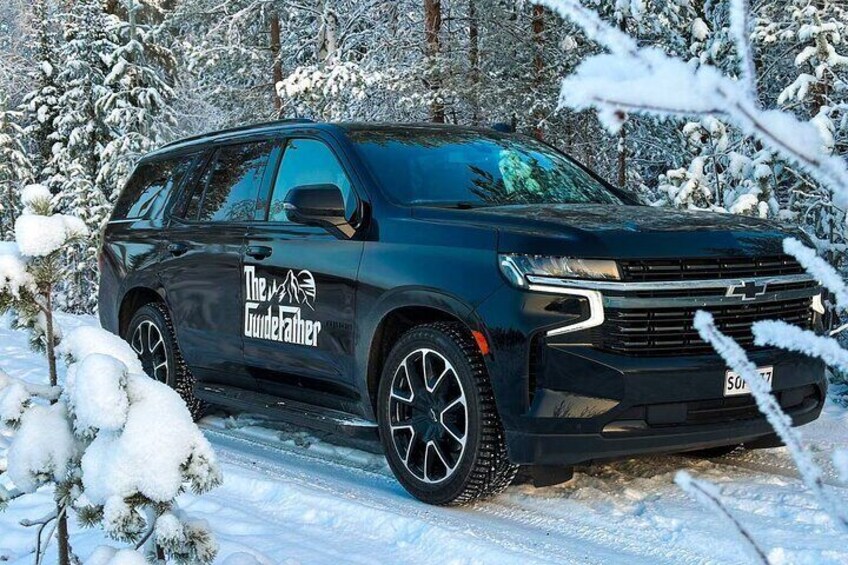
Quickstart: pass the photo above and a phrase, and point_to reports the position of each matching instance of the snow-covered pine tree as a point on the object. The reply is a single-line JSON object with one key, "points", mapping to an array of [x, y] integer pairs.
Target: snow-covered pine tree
{"points": [[108, 416], [79, 141], [29, 278], [14, 167], [40, 103], [138, 105], [816, 89]]}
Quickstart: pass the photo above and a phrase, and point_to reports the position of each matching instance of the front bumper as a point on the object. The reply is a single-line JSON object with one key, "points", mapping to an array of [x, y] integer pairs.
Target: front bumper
{"points": [[567, 398], [590, 405]]}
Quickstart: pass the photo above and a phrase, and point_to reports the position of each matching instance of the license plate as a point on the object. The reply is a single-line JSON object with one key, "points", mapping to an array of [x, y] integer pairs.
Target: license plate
{"points": [[735, 385]]}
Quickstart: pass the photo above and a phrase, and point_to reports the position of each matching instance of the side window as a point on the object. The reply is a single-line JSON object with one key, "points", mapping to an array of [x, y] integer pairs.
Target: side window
{"points": [[307, 162], [231, 182], [149, 188]]}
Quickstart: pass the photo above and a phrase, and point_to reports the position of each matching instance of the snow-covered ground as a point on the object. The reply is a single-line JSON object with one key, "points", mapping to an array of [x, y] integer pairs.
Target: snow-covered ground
{"points": [[289, 497]]}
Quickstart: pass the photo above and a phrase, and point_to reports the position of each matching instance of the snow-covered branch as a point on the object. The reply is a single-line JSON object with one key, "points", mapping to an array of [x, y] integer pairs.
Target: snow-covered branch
{"points": [[820, 269], [775, 333]]}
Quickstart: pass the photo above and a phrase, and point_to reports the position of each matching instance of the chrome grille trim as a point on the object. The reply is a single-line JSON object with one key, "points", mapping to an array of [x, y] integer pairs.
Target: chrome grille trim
{"points": [[624, 287]]}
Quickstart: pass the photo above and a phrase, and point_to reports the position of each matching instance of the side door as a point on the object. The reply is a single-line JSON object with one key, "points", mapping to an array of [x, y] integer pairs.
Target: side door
{"points": [[202, 276], [300, 288], [134, 238]]}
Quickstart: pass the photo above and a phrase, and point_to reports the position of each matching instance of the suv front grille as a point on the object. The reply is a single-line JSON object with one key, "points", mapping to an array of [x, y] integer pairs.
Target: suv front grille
{"points": [[653, 270], [669, 331]]}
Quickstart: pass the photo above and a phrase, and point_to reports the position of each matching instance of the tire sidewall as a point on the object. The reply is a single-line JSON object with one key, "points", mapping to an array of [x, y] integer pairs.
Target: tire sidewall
{"points": [[431, 338], [152, 314]]}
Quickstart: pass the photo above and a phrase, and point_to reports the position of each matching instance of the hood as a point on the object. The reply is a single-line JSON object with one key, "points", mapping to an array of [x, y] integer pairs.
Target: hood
{"points": [[605, 231]]}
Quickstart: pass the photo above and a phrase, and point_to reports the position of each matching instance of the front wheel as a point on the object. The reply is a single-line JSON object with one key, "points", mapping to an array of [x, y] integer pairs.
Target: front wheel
{"points": [[438, 422], [151, 335]]}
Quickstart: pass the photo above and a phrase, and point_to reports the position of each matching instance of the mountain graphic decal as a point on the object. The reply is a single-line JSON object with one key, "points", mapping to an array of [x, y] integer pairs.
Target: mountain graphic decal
{"points": [[296, 289]]}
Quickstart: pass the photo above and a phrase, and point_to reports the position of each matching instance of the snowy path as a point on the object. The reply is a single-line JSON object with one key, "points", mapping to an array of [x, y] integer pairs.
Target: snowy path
{"points": [[289, 497]]}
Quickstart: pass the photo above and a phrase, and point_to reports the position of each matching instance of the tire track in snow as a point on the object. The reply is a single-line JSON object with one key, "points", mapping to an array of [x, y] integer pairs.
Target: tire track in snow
{"points": [[514, 522], [778, 467]]}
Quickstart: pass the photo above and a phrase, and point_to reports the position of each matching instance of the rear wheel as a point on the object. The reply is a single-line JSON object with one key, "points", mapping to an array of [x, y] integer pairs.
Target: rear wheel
{"points": [[151, 335], [438, 422]]}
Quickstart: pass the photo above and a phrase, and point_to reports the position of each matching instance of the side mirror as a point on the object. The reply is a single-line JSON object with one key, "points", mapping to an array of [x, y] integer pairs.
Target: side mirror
{"points": [[319, 205]]}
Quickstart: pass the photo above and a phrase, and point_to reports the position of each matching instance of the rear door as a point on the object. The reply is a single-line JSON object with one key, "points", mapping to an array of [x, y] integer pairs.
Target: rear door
{"points": [[300, 287], [134, 240], [202, 275]]}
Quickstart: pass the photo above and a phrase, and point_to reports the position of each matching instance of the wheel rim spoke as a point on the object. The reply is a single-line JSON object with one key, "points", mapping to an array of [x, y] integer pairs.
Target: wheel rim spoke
{"points": [[149, 343], [459, 437], [428, 416]]}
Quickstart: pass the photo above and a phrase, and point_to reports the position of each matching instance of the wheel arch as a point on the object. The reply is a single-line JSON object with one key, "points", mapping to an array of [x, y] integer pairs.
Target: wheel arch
{"points": [[132, 300], [398, 313]]}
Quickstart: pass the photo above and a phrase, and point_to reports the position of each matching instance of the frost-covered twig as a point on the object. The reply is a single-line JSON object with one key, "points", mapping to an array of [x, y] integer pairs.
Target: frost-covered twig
{"points": [[736, 359], [777, 333], [709, 495], [819, 268], [40, 548]]}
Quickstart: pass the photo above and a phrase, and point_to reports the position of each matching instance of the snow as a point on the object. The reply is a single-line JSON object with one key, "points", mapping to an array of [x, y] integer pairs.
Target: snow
{"points": [[289, 497], [14, 398], [710, 496], [88, 340], [14, 277], [41, 447], [38, 236], [149, 454], [35, 195], [700, 30], [105, 555], [97, 395]]}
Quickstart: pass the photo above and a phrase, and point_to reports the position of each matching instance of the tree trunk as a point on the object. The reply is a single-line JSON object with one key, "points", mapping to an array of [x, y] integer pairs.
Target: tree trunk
{"points": [[61, 513], [622, 136], [622, 156], [432, 30], [278, 62], [63, 537], [131, 15], [474, 61], [538, 67], [50, 346]]}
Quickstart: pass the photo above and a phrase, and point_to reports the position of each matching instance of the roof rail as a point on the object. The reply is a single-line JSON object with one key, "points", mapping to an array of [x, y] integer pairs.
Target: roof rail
{"points": [[237, 129]]}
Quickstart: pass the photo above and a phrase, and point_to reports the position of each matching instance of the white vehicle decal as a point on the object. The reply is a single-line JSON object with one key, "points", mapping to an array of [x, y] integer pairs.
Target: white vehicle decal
{"points": [[273, 310]]}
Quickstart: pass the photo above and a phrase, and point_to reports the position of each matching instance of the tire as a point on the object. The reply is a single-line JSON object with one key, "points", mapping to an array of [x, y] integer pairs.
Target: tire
{"points": [[162, 359], [442, 435]]}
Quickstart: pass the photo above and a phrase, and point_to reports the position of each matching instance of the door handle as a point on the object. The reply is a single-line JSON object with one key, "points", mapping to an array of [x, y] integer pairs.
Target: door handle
{"points": [[259, 251], [177, 249]]}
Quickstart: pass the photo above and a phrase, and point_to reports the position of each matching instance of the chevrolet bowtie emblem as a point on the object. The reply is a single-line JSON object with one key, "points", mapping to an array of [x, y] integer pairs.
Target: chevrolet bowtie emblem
{"points": [[747, 290]]}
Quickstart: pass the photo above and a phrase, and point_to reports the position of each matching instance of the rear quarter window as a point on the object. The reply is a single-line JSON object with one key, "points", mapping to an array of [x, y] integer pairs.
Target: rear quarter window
{"points": [[229, 187], [149, 189]]}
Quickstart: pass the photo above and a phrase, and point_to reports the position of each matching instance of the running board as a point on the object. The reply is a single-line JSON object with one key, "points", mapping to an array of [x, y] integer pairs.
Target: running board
{"points": [[290, 411]]}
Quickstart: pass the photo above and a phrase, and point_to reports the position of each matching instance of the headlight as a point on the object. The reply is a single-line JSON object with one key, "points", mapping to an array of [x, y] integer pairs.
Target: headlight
{"points": [[517, 268]]}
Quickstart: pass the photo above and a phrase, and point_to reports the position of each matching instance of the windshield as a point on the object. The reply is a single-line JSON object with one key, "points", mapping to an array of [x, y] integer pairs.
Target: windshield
{"points": [[467, 168]]}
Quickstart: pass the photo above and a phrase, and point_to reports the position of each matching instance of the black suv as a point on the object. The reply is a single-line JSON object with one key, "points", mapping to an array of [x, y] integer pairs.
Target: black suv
{"points": [[477, 297]]}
